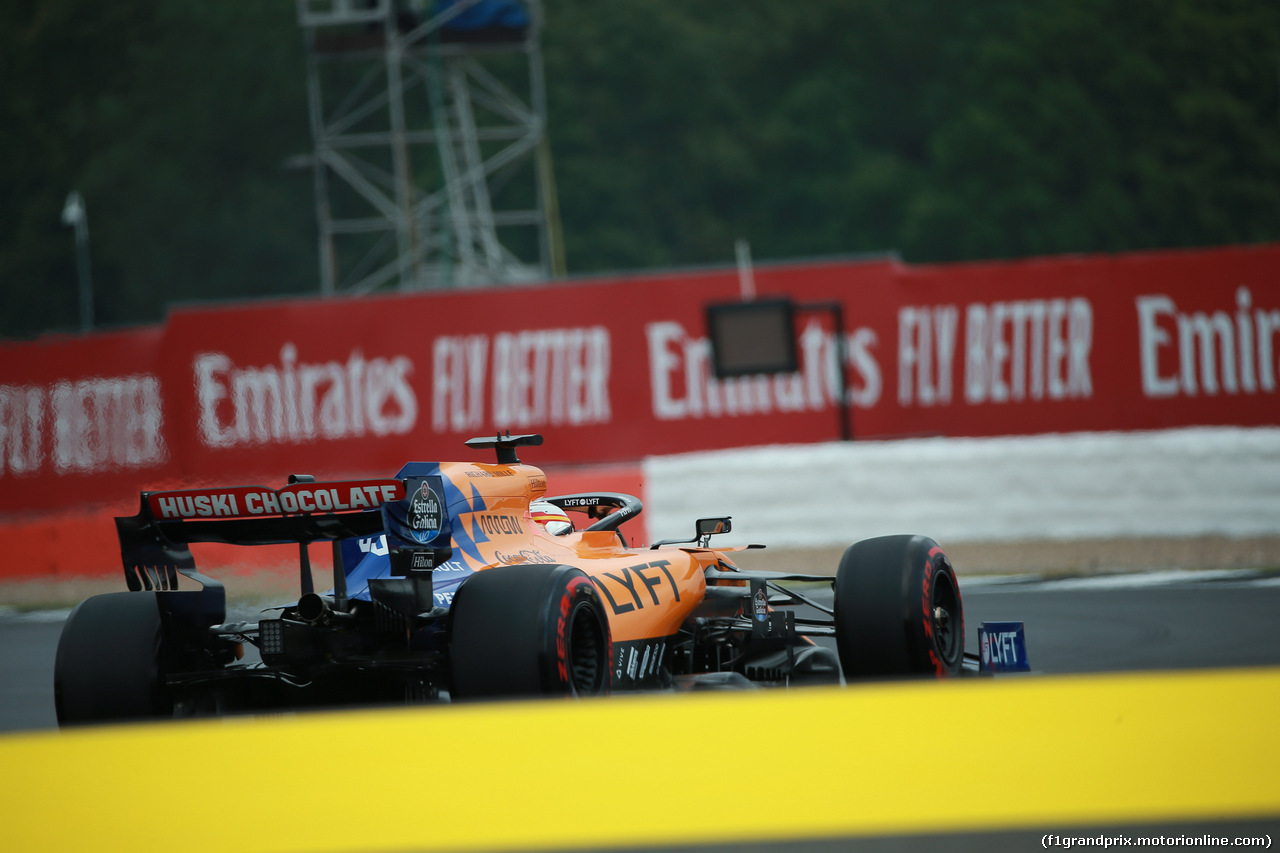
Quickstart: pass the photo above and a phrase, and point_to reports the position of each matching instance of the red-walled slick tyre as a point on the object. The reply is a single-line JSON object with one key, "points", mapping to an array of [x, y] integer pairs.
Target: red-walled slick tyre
{"points": [[898, 610], [529, 630]]}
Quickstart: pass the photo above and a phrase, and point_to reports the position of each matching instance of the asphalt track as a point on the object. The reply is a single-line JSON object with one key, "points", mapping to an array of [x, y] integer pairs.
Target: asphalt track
{"points": [[1170, 621], [1158, 621]]}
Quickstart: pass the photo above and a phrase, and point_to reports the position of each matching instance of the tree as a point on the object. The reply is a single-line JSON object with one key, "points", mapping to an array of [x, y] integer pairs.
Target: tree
{"points": [[174, 121], [941, 130]]}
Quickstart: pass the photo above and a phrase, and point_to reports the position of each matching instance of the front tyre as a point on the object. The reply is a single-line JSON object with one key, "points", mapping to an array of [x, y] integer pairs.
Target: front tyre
{"points": [[529, 630], [898, 610]]}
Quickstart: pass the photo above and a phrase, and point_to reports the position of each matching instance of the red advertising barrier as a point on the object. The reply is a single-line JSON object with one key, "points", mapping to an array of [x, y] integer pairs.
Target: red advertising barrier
{"points": [[614, 370]]}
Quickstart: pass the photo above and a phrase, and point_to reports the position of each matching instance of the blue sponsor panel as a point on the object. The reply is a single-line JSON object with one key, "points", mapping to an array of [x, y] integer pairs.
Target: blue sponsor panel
{"points": [[1002, 647], [425, 518], [421, 518], [365, 559], [370, 558]]}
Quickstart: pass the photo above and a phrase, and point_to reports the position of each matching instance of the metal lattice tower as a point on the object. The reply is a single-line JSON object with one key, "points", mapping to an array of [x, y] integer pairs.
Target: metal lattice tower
{"points": [[431, 163]]}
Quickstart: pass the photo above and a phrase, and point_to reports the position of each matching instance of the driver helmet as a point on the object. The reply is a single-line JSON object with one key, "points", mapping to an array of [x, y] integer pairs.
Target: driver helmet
{"points": [[550, 516]]}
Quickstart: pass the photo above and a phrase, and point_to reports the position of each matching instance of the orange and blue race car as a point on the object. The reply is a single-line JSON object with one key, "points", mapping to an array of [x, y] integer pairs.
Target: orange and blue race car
{"points": [[466, 580]]}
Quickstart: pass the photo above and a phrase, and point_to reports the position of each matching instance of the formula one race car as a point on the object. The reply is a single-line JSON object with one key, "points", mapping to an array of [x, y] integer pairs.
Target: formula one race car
{"points": [[465, 580]]}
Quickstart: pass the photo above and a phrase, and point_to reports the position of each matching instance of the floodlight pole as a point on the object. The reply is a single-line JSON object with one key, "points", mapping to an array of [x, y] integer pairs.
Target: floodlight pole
{"points": [[746, 275], [73, 213]]}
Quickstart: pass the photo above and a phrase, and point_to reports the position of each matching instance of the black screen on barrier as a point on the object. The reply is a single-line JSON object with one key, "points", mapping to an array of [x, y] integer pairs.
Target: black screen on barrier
{"points": [[752, 337]]}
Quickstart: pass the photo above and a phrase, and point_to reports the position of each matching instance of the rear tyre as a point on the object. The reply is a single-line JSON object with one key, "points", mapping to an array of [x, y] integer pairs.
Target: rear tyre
{"points": [[898, 610], [109, 661], [530, 630]]}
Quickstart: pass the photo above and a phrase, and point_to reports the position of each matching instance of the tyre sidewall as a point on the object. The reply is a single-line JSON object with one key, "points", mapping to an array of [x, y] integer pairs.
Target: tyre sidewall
{"points": [[573, 597], [512, 628], [884, 619], [932, 568]]}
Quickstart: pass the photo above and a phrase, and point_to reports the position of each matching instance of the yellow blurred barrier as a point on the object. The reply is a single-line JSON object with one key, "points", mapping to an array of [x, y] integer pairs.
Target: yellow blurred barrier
{"points": [[1036, 753]]}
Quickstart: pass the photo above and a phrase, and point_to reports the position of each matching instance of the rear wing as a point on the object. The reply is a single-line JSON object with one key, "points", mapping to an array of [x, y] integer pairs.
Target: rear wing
{"points": [[154, 543]]}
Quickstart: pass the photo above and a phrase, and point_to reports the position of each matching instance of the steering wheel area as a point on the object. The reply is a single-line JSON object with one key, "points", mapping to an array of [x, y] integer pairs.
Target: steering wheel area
{"points": [[609, 509]]}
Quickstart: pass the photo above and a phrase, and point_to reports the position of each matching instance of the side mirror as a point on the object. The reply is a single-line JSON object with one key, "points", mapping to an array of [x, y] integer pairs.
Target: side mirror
{"points": [[704, 529], [712, 526]]}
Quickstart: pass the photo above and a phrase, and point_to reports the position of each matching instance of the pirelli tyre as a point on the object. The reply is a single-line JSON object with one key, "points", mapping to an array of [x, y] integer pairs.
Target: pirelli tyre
{"points": [[529, 630], [109, 661], [898, 610]]}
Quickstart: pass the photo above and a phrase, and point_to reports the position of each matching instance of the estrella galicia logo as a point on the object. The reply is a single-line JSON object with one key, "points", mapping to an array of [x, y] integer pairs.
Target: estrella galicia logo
{"points": [[761, 606], [426, 513]]}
